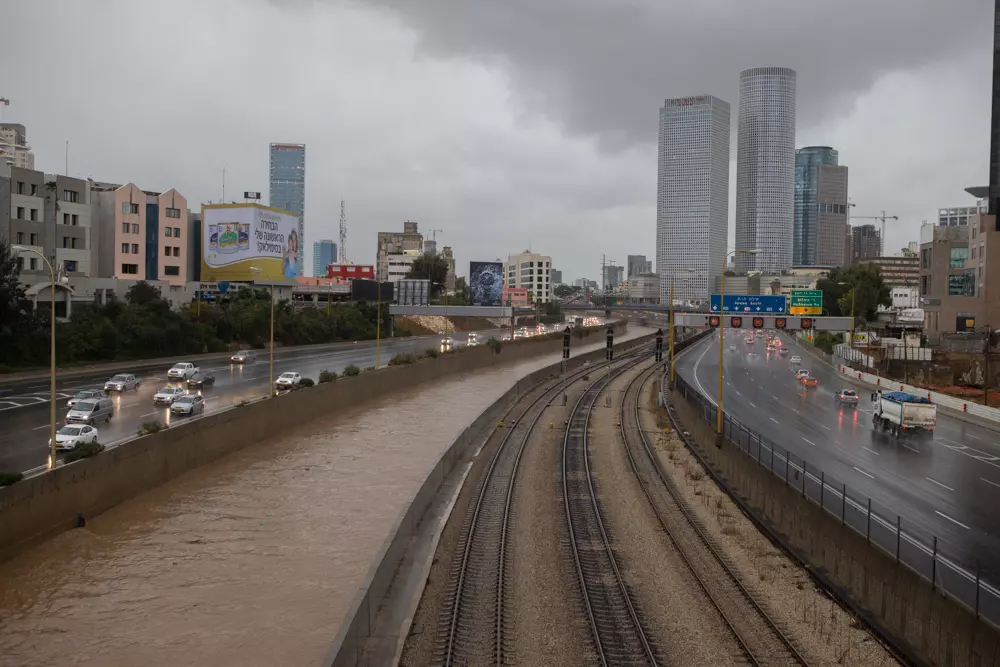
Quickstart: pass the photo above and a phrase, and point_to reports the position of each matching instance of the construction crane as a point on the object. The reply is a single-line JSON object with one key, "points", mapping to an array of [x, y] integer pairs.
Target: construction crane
{"points": [[883, 217], [434, 238], [342, 250]]}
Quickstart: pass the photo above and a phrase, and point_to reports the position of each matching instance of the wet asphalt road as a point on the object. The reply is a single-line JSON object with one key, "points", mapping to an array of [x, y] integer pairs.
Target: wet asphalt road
{"points": [[947, 487]]}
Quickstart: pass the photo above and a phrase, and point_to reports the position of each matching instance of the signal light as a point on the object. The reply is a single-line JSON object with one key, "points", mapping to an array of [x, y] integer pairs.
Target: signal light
{"points": [[758, 323], [779, 323], [806, 323], [736, 322], [714, 321]]}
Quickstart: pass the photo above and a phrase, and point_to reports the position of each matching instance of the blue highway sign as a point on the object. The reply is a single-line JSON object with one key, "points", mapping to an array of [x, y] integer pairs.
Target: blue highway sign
{"points": [[749, 303]]}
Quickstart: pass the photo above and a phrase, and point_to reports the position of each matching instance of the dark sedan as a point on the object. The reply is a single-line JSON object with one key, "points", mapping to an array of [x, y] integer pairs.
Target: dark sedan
{"points": [[200, 380]]}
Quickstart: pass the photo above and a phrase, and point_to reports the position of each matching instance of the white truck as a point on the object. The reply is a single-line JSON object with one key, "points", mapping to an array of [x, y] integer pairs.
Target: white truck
{"points": [[901, 414], [182, 371]]}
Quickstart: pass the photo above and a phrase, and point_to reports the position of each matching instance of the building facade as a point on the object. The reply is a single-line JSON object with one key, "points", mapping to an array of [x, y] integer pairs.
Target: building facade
{"points": [[948, 288], [531, 271], [287, 181], [324, 254], [448, 255], [897, 271], [613, 277], [395, 243], [15, 151], [636, 264], [765, 169], [400, 264], [557, 277], [866, 243], [644, 288], [350, 271], [820, 208], [960, 216], [692, 197]]}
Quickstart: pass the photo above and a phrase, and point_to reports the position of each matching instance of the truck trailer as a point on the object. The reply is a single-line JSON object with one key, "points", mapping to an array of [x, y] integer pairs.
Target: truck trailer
{"points": [[899, 414]]}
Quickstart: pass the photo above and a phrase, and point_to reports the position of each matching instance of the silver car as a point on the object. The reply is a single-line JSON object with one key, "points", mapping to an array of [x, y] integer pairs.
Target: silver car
{"points": [[86, 395], [188, 405], [122, 382]]}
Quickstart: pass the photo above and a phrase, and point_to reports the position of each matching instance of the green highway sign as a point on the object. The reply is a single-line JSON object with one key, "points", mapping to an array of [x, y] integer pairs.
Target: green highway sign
{"points": [[806, 302]]}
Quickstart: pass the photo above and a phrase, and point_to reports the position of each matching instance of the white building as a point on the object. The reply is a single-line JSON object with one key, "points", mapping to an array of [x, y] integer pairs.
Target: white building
{"points": [[532, 271], [692, 198], [904, 298], [960, 216], [644, 288], [400, 264], [14, 147], [765, 169]]}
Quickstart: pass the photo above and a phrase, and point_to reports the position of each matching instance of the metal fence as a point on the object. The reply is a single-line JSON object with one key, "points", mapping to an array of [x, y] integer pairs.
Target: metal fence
{"points": [[964, 580]]}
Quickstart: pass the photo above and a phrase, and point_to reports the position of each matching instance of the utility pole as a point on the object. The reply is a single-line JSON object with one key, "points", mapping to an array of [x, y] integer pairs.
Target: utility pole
{"points": [[342, 250]]}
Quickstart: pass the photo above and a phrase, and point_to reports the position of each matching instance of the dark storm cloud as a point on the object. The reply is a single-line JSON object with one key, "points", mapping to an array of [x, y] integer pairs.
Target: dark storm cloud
{"points": [[603, 67]]}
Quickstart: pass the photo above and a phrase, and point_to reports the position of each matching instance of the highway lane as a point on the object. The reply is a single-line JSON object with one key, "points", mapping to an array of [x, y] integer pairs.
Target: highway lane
{"points": [[24, 432], [948, 487]]}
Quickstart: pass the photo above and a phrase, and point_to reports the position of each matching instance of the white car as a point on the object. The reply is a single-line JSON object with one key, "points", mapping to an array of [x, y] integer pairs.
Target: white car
{"points": [[71, 435], [801, 373], [188, 405], [795, 360], [289, 380], [168, 395], [182, 371], [473, 339]]}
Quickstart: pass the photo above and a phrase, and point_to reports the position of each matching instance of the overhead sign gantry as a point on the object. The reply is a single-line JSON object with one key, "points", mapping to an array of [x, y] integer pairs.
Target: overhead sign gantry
{"points": [[787, 322]]}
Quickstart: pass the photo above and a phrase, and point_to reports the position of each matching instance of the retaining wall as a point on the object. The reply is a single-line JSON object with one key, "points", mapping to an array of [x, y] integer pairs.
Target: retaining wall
{"points": [[925, 626], [41, 506]]}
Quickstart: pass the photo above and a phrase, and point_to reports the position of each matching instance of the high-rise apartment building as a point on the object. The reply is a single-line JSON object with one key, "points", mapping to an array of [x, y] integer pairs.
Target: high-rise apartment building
{"points": [[820, 208], [692, 194], [613, 277], [324, 254], [556, 277], [636, 264], [866, 243], [765, 169], [531, 271], [394, 243], [449, 261], [288, 185], [15, 151]]}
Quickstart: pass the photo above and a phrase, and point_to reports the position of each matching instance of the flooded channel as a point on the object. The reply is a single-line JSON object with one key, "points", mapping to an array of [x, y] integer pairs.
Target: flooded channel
{"points": [[253, 560]]}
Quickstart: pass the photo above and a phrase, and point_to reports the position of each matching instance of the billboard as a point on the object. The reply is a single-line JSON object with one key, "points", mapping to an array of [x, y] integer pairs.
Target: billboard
{"points": [[237, 236], [485, 283]]}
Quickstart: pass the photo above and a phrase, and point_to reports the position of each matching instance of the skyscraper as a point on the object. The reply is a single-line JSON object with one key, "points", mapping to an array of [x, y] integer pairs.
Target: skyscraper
{"points": [[288, 186], [324, 254], [765, 169], [820, 208], [637, 264], [866, 243], [692, 195]]}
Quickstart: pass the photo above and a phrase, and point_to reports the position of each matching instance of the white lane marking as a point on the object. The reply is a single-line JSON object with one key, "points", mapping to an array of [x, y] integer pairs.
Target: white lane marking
{"points": [[810, 442], [39, 428], [943, 486], [774, 420], [148, 414], [863, 472], [871, 450], [826, 427], [739, 392], [912, 449], [989, 482], [952, 520], [974, 437], [774, 397], [129, 405], [752, 405], [796, 411]]}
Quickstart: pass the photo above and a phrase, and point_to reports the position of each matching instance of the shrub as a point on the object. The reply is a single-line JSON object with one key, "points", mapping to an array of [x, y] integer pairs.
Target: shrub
{"points": [[402, 360], [150, 427], [431, 352], [367, 368], [327, 376], [494, 345], [84, 452], [351, 371], [8, 478], [306, 382]]}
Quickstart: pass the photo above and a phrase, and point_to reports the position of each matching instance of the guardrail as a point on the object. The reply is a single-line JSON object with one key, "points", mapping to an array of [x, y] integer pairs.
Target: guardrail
{"points": [[968, 583]]}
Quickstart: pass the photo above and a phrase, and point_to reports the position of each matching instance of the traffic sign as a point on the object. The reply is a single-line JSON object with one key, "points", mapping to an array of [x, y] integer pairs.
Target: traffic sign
{"points": [[749, 303], [758, 323], [736, 322], [806, 302]]}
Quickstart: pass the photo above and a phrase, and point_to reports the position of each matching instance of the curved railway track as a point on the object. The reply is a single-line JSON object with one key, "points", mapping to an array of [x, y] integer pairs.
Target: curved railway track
{"points": [[759, 636]]}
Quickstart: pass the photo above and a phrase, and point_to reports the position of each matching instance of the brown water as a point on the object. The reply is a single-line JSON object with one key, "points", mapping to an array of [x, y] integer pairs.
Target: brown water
{"points": [[253, 560]]}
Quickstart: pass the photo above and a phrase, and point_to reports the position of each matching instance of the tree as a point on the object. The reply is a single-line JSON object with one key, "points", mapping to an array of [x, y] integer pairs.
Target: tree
{"points": [[143, 294], [565, 291], [430, 267], [869, 291], [11, 291]]}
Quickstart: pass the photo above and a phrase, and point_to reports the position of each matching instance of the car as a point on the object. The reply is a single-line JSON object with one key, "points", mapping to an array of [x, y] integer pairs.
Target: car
{"points": [[86, 395], [244, 357], [200, 380], [846, 397], [505, 336], [473, 339], [801, 373], [810, 381], [188, 405], [795, 359], [288, 380], [182, 370], [72, 435], [168, 395], [783, 351], [447, 341], [122, 382], [732, 348], [91, 412]]}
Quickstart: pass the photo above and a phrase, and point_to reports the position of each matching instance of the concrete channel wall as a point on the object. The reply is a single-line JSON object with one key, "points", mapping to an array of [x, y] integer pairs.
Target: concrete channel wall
{"points": [[348, 646], [47, 504], [924, 626]]}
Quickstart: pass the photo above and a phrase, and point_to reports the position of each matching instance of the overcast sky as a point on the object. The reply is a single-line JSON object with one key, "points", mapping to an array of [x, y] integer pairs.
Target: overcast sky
{"points": [[505, 124]]}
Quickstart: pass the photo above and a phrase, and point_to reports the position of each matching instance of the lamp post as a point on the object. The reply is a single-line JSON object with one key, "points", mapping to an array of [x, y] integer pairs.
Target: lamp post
{"points": [[722, 329], [271, 345], [670, 324], [378, 321], [854, 289], [52, 353]]}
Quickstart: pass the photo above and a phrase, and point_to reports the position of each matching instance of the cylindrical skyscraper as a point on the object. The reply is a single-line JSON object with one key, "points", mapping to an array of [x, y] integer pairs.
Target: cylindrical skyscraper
{"points": [[765, 169]]}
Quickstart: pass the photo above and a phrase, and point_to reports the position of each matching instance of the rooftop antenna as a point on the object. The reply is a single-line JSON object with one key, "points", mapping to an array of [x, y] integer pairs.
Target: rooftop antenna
{"points": [[342, 251]]}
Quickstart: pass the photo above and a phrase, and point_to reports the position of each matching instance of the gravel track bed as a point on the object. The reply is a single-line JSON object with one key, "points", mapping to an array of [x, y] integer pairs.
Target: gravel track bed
{"points": [[822, 631], [686, 628]]}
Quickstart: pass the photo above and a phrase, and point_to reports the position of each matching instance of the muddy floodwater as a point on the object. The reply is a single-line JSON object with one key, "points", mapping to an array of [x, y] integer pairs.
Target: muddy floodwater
{"points": [[252, 560]]}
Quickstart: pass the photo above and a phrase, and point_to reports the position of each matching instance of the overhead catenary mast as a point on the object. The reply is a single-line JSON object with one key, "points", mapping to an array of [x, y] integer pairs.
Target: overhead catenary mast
{"points": [[342, 250]]}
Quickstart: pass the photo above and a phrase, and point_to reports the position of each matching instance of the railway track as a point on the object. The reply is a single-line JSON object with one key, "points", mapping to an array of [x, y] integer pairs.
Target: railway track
{"points": [[759, 636], [473, 621], [617, 627]]}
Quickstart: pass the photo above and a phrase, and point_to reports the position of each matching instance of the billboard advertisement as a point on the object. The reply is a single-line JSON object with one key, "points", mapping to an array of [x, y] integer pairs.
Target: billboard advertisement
{"points": [[238, 236], [485, 283]]}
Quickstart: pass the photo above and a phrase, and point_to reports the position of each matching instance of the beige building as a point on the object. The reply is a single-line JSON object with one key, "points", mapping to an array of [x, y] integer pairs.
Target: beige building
{"points": [[532, 271], [395, 243], [947, 286], [645, 288], [897, 271], [15, 151]]}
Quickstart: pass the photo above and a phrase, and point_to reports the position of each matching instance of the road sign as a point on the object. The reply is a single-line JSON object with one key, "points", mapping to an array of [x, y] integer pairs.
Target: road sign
{"points": [[806, 302], [770, 322], [753, 304]]}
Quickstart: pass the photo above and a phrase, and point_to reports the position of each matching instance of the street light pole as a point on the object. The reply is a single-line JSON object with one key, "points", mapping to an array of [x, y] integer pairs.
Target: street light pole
{"points": [[270, 390], [378, 322]]}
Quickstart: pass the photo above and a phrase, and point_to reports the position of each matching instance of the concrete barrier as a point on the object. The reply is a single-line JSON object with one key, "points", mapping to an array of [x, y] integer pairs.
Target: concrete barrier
{"points": [[46, 504], [357, 627]]}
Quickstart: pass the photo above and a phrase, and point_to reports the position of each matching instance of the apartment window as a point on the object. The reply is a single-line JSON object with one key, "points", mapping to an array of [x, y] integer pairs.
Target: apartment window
{"points": [[972, 252], [73, 242], [124, 248], [33, 239], [171, 270], [65, 218], [135, 248], [125, 228], [34, 215], [34, 263], [71, 196], [75, 220], [166, 231], [177, 232], [34, 189], [177, 251], [957, 257], [20, 262], [166, 251], [20, 213], [20, 238], [70, 265], [129, 208], [962, 284], [20, 188], [135, 228], [173, 212], [130, 269], [925, 258], [65, 241]]}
